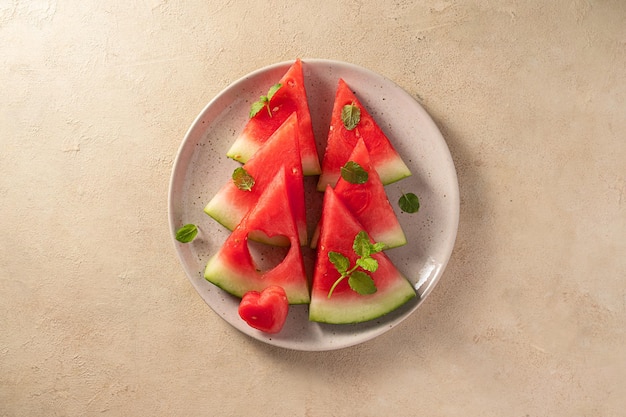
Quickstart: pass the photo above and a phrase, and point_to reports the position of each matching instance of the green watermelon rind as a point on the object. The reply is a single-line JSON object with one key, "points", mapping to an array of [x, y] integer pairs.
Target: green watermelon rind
{"points": [[396, 236], [218, 273], [243, 148], [390, 171], [393, 238], [224, 213], [351, 308], [229, 216]]}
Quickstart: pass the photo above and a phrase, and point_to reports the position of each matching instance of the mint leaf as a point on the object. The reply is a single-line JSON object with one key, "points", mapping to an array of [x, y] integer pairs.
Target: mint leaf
{"points": [[264, 101], [369, 264], [257, 106], [187, 233], [350, 116], [377, 247], [409, 203], [242, 179], [359, 281], [273, 89], [341, 262], [354, 173], [361, 244], [362, 283]]}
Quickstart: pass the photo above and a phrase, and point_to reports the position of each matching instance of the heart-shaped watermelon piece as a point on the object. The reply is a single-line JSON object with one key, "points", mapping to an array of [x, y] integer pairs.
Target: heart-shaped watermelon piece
{"points": [[266, 310]]}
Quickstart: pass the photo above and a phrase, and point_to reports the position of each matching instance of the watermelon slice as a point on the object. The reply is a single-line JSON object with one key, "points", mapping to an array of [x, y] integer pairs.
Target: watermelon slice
{"points": [[385, 159], [291, 97], [337, 231], [231, 204], [234, 269], [369, 204]]}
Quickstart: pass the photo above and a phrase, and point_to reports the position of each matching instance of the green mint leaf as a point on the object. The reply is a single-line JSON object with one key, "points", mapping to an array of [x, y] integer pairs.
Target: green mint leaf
{"points": [[409, 203], [354, 173], [369, 264], [362, 283], [187, 233], [257, 106], [242, 179], [361, 244], [273, 89], [264, 101], [377, 247], [351, 116], [341, 262], [359, 281]]}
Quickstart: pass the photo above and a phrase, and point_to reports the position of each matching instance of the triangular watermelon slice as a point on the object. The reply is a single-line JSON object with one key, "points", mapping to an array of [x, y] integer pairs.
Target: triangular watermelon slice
{"points": [[369, 204], [337, 232], [233, 268], [291, 97], [385, 159], [231, 204]]}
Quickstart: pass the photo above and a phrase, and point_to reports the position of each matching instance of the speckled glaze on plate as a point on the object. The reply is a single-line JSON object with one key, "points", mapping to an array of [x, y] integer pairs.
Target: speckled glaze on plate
{"points": [[201, 168]]}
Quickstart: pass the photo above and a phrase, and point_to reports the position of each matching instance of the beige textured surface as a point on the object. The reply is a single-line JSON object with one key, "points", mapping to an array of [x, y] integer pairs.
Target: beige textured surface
{"points": [[98, 317]]}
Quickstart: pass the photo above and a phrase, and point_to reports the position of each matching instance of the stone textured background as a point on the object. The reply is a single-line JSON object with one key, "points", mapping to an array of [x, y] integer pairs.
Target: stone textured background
{"points": [[97, 316]]}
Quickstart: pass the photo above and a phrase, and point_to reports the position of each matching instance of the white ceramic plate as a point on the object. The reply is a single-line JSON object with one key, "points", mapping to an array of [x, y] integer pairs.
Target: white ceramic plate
{"points": [[201, 168]]}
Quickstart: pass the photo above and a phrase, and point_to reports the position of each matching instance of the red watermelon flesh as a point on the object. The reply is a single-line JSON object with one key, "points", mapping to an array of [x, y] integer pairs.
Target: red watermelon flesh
{"points": [[234, 269], [266, 310], [291, 97], [231, 204], [337, 231], [369, 204], [384, 158]]}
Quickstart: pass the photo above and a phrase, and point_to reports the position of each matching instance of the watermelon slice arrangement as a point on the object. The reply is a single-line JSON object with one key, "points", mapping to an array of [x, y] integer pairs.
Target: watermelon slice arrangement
{"points": [[353, 280]]}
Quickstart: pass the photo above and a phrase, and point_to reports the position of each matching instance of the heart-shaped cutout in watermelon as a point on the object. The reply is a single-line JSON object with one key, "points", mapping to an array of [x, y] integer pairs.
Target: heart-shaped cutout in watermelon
{"points": [[266, 257]]}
